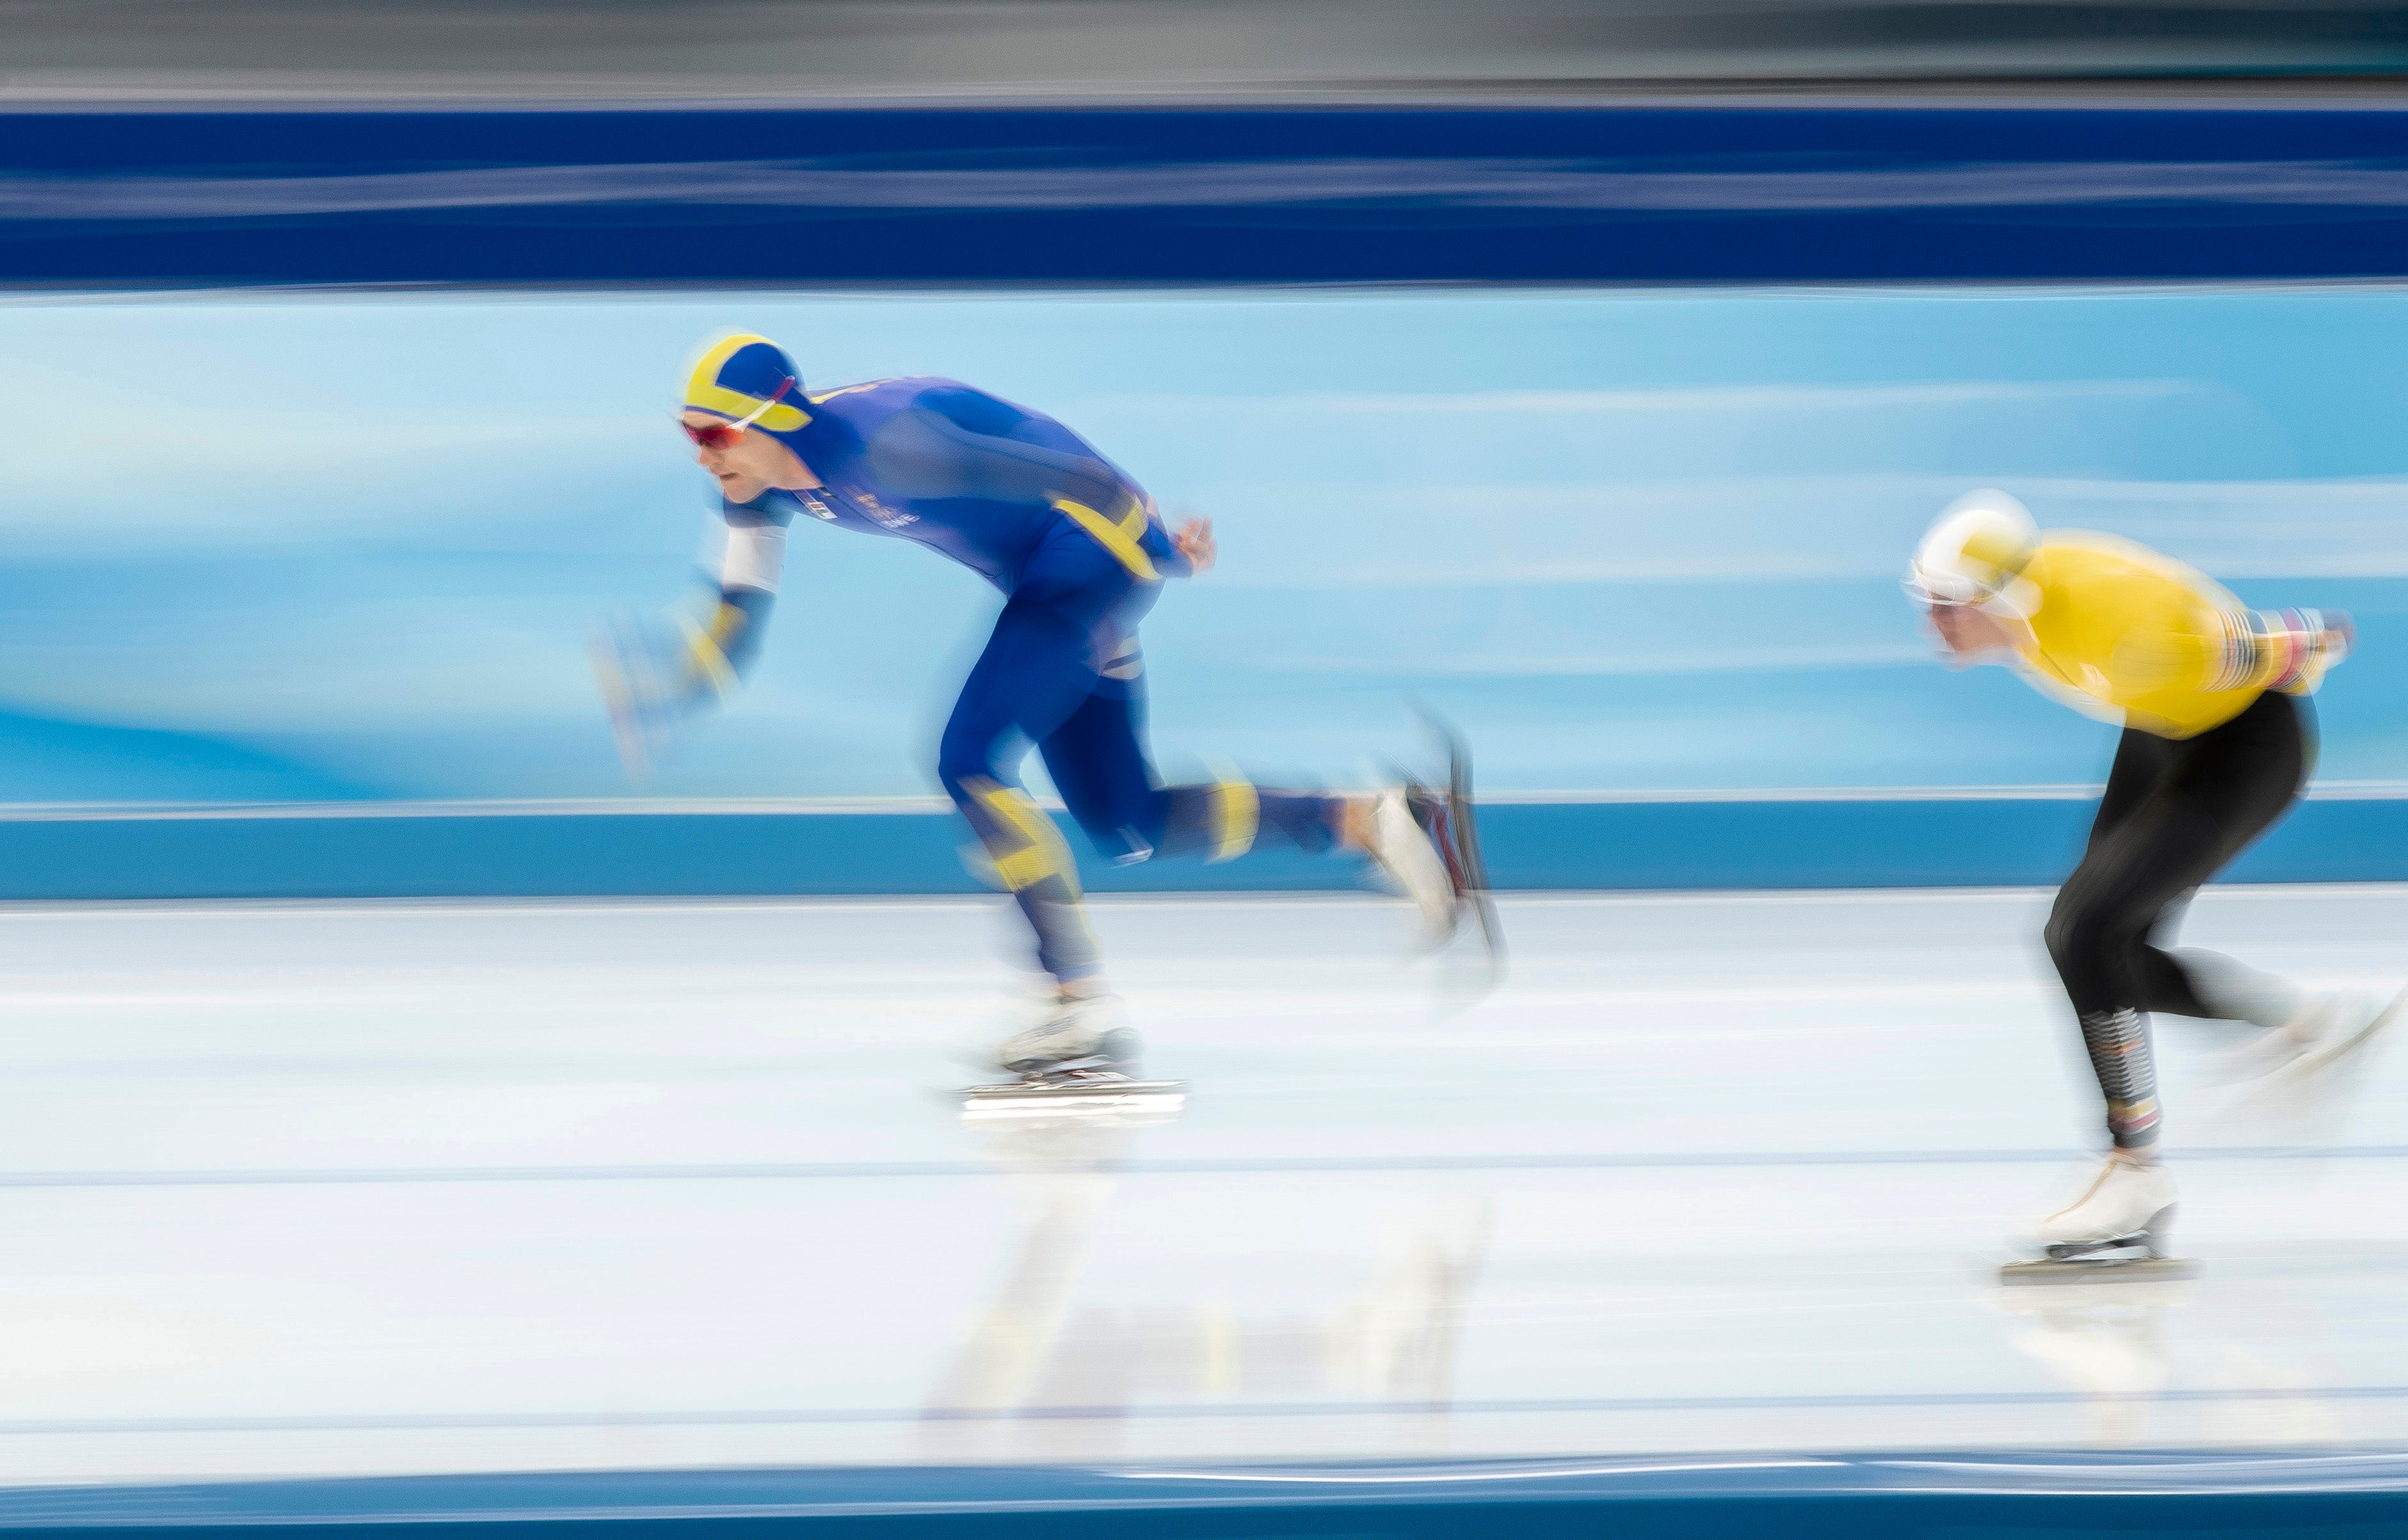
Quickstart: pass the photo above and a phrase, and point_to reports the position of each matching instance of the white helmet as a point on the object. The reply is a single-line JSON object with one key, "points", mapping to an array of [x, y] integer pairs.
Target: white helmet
{"points": [[1980, 543]]}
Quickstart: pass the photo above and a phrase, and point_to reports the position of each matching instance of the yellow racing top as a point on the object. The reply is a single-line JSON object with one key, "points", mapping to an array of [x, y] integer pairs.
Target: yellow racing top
{"points": [[2141, 636]]}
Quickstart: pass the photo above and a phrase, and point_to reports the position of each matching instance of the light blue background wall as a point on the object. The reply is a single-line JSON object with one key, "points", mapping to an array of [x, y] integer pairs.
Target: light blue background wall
{"points": [[351, 547]]}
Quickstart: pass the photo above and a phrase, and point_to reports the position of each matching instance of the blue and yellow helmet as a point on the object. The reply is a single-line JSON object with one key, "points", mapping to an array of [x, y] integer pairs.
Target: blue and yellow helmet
{"points": [[735, 375]]}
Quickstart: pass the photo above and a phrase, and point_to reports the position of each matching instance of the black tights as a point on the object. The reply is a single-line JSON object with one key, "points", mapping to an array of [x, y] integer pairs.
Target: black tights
{"points": [[2175, 812]]}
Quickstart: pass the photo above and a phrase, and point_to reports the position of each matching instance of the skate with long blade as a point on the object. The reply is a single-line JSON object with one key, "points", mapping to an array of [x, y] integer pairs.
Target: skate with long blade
{"points": [[2326, 1057], [2132, 1257], [1112, 1097], [1103, 1081], [1455, 828], [2305, 1095], [2137, 1268]]}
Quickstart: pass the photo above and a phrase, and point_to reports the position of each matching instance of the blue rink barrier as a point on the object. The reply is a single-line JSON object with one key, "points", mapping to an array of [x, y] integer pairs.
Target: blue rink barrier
{"points": [[564, 850], [687, 195], [1995, 1496]]}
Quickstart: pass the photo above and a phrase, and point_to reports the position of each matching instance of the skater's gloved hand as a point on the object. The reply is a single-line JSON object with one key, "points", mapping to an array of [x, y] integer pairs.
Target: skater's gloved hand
{"points": [[655, 676], [1194, 540], [2297, 646], [704, 665], [717, 645], [2341, 635]]}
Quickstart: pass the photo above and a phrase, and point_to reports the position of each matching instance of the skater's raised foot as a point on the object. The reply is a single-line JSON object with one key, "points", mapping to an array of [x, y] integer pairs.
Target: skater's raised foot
{"points": [[2318, 1021], [2270, 1050], [2330, 1032], [2125, 1214], [1403, 829]]}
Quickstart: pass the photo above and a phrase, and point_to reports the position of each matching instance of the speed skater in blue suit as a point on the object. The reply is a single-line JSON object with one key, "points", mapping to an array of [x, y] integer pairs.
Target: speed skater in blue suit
{"points": [[1081, 553]]}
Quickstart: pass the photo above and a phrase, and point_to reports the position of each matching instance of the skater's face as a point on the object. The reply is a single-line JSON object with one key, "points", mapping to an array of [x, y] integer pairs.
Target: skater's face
{"points": [[749, 465], [1968, 634]]}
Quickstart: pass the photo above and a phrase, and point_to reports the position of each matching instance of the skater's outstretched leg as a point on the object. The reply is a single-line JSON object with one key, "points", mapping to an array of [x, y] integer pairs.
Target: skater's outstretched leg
{"points": [[1097, 760], [2218, 795], [2298, 1031], [1398, 829]]}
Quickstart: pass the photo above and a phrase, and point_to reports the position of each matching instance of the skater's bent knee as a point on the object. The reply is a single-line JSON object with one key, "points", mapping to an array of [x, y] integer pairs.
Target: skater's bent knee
{"points": [[958, 763], [2063, 934], [2077, 930], [2084, 939]]}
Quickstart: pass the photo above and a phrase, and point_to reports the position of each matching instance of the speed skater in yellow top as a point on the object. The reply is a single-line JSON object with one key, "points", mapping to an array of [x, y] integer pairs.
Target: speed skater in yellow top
{"points": [[1081, 554], [2218, 740]]}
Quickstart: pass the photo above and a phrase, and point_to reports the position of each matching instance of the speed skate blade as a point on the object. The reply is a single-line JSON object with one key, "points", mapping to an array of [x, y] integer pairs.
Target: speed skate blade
{"points": [[2319, 1059], [1150, 1099], [1464, 857], [2137, 1270]]}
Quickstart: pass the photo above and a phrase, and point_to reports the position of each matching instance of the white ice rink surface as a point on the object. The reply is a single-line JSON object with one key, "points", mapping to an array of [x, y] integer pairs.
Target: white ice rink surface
{"points": [[367, 1189]]}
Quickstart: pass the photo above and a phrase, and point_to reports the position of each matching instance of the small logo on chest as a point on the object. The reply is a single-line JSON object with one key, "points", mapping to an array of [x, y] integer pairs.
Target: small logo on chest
{"points": [[887, 518]]}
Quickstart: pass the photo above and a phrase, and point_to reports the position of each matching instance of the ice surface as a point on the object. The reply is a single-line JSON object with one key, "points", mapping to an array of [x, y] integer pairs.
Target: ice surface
{"points": [[353, 1189]]}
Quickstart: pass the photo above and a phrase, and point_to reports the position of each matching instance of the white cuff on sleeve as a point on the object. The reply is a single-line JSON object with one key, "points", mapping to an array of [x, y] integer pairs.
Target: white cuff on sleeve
{"points": [[757, 555]]}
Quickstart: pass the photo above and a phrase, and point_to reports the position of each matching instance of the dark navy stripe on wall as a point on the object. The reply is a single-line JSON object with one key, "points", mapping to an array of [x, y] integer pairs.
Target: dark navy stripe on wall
{"points": [[1200, 195]]}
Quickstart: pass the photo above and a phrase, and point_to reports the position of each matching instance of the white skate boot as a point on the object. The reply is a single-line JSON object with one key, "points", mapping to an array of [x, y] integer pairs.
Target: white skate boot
{"points": [[2119, 1224], [2329, 1033], [1078, 1058], [1406, 850], [1076, 1031], [2271, 1050]]}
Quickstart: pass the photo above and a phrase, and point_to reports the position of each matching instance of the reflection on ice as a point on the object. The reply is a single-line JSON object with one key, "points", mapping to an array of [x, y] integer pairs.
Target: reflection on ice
{"points": [[1041, 1356], [2106, 1340]]}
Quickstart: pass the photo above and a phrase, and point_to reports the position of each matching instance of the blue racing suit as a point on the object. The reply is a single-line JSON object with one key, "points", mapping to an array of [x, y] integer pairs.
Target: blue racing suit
{"points": [[1081, 553]]}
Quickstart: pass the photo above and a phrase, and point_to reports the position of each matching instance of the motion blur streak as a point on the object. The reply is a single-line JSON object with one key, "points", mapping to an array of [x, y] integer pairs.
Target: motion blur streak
{"points": [[493, 1029], [1467, 184], [1361, 49], [381, 533]]}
